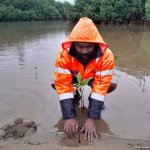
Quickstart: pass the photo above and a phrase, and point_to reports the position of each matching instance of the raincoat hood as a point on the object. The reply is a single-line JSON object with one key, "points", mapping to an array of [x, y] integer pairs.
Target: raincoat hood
{"points": [[85, 31]]}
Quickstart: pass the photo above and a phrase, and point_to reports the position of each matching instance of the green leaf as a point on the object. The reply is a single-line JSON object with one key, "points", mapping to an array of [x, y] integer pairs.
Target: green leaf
{"points": [[76, 85], [79, 78], [84, 82]]}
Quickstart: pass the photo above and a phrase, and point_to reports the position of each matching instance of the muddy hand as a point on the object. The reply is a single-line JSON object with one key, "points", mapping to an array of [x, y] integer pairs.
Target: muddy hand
{"points": [[89, 129], [70, 127]]}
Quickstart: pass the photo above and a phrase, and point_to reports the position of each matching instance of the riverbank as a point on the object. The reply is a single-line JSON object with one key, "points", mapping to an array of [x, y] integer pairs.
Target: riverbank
{"points": [[99, 22], [53, 141], [29, 139]]}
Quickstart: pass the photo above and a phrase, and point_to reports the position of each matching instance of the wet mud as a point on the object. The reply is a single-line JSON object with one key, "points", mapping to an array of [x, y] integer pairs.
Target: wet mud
{"points": [[78, 139], [18, 129]]}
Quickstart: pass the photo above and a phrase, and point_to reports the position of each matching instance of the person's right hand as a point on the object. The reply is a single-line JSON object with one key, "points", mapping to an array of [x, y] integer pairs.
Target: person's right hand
{"points": [[70, 127], [90, 130]]}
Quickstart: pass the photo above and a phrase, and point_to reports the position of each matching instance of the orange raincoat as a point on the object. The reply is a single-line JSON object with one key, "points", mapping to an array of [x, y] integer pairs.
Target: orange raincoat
{"points": [[100, 69]]}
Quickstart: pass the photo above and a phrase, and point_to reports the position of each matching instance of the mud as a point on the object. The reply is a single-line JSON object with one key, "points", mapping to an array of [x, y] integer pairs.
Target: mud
{"points": [[18, 129], [78, 139]]}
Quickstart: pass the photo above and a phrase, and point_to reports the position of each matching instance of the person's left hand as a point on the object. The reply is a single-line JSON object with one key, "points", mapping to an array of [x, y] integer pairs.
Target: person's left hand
{"points": [[90, 130]]}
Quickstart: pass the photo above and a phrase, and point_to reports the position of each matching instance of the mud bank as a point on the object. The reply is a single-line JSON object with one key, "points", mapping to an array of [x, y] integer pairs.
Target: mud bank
{"points": [[51, 141], [78, 139], [19, 135], [18, 129], [25, 139]]}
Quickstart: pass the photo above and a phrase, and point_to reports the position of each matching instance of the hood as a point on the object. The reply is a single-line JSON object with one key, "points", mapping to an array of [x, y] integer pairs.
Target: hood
{"points": [[85, 31]]}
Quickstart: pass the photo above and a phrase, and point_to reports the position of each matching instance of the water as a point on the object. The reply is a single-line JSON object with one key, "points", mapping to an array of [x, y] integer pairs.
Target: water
{"points": [[27, 54]]}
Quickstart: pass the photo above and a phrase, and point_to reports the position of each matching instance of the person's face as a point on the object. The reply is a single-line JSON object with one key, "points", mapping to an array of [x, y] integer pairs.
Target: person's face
{"points": [[84, 48]]}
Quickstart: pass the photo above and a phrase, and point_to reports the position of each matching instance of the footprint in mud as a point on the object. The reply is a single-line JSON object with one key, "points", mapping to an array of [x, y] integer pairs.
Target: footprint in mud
{"points": [[18, 129], [78, 139]]}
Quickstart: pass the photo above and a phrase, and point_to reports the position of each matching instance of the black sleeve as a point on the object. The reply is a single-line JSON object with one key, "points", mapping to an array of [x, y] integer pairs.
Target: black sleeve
{"points": [[68, 108], [95, 108]]}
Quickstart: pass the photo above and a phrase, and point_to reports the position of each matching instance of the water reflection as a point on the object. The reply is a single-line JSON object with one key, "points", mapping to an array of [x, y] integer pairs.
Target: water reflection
{"points": [[16, 32], [19, 40], [130, 45], [21, 54]]}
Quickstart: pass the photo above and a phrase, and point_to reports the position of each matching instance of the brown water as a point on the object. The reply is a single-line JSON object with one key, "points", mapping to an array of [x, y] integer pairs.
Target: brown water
{"points": [[27, 53]]}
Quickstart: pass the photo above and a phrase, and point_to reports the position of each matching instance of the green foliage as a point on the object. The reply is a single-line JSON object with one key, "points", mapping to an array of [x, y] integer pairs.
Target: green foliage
{"points": [[121, 11], [81, 82], [79, 78], [106, 11], [9, 13], [67, 10], [84, 82], [27, 15], [116, 11], [136, 10], [147, 9], [31, 10], [25, 4]]}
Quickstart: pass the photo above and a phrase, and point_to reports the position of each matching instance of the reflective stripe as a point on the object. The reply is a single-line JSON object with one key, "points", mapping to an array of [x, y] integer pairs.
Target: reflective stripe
{"points": [[97, 96], [104, 73], [66, 96], [97, 59], [61, 70], [115, 79]]}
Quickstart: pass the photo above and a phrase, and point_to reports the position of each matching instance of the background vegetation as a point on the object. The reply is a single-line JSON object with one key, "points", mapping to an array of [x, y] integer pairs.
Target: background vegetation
{"points": [[114, 11]]}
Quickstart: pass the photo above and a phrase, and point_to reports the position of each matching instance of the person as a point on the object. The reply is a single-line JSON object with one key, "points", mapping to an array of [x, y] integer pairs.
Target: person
{"points": [[84, 52]]}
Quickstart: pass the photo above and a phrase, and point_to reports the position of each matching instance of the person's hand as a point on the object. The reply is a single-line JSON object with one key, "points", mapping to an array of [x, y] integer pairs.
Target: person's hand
{"points": [[90, 130], [70, 127]]}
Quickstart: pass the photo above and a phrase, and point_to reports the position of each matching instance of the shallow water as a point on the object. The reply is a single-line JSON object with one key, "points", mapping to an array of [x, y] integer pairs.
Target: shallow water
{"points": [[27, 53]]}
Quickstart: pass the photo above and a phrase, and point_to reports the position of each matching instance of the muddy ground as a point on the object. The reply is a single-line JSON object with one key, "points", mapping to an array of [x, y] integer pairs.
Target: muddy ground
{"points": [[18, 129]]}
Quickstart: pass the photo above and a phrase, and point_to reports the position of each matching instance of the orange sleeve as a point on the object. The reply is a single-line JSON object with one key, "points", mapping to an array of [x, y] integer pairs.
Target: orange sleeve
{"points": [[62, 74], [103, 75]]}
